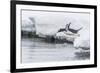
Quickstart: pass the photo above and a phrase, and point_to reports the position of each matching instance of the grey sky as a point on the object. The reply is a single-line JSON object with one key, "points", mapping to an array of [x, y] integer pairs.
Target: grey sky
{"points": [[50, 22]]}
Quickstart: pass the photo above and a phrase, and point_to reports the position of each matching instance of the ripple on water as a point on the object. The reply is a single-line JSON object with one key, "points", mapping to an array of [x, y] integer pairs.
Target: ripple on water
{"points": [[36, 50]]}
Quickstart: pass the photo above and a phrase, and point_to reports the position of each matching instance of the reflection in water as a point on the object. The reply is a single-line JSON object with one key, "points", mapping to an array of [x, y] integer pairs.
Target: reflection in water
{"points": [[37, 50]]}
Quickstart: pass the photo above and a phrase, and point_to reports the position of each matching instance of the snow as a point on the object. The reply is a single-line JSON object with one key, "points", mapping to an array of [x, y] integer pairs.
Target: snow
{"points": [[66, 35], [28, 25], [84, 39]]}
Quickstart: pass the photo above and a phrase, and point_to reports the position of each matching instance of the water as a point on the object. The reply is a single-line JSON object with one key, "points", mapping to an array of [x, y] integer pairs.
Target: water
{"points": [[37, 50]]}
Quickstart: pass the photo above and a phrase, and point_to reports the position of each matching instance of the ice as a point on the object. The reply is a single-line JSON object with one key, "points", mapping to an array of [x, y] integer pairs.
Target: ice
{"points": [[84, 39], [69, 36]]}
